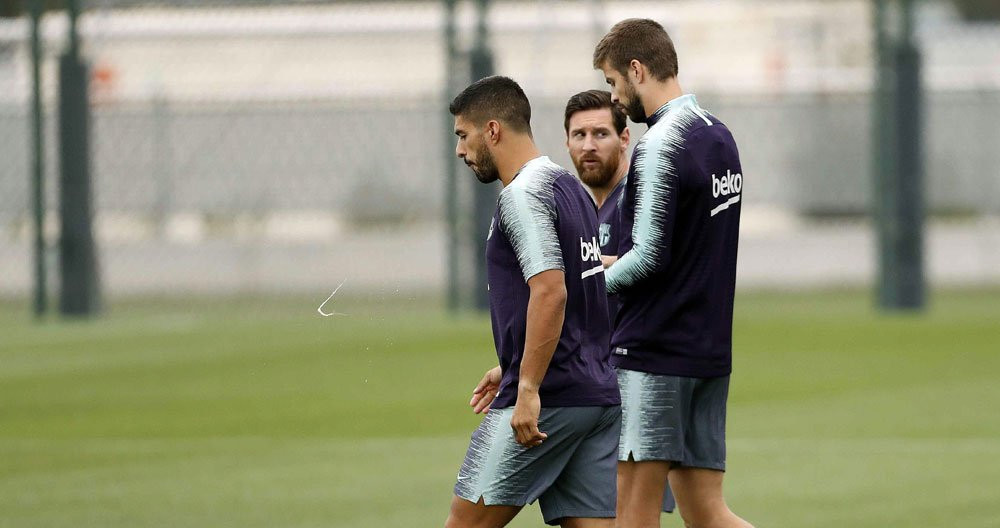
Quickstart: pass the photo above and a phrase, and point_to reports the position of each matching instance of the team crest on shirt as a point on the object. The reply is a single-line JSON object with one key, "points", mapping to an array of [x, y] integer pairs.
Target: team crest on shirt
{"points": [[604, 232]]}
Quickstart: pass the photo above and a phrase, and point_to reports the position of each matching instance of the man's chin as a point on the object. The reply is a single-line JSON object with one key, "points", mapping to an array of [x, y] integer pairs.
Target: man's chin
{"points": [[489, 178], [594, 179]]}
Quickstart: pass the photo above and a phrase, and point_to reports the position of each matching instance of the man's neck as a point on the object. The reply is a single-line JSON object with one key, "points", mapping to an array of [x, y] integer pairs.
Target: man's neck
{"points": [[601, 193], [519, 151], [659, 94]]}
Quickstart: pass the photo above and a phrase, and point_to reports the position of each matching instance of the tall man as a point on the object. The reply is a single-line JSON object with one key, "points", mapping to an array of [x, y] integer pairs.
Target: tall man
{"points": [[676, 276], [598, 140], [553, 422]]}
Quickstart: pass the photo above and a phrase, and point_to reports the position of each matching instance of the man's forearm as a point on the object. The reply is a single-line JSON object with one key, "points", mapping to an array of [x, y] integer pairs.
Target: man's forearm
{"points": [[631, 268]]}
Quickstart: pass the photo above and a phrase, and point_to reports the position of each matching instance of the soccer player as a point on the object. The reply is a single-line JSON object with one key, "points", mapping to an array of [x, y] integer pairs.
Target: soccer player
{"points": [[553, 408], [675, 274], [598, 140]]}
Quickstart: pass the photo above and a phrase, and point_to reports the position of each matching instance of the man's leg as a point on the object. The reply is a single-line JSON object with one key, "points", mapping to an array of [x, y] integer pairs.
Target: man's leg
{"points": [[641, 486], [653, 432], [699, 498], [465, 514], [584, 494]]}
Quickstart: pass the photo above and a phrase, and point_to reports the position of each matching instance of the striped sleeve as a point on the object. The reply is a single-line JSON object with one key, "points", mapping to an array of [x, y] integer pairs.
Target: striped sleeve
{"points": [[655, 178], [528, 218]]}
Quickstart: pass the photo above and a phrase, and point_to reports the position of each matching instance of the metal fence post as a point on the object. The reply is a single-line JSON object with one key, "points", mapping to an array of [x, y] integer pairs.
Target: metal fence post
{"points": [[485, 197], [38, 164], [79, 292], [448, 155], [898, 204]]}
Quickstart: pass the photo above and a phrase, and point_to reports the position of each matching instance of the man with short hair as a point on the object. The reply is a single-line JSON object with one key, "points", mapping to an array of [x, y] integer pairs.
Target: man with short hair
{"points": [[553, 408], [676, 275], [598, 140]]}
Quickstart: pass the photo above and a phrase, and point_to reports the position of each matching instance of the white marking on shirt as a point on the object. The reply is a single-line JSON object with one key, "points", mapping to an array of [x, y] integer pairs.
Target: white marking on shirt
{"points": [[725, 205], [592, 271]]}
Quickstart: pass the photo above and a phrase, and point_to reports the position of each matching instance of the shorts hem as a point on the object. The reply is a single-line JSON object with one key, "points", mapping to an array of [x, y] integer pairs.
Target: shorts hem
{"points": [[701, 464], [495, 501], [553, 519], [638, 457]]}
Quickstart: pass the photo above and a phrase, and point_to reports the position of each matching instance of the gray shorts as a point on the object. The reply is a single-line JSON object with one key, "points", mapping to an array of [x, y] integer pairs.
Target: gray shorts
{"points": [[572, 473], [673, 418]]}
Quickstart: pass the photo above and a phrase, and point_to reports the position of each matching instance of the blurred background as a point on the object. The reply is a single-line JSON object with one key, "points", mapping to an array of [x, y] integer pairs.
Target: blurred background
{"points": [[262, 147], [209, 171]]}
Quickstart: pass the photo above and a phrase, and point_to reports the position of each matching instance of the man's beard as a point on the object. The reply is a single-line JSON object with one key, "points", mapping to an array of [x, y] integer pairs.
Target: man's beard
{"points": [[601, 175], [634, 110], [486, 169]]}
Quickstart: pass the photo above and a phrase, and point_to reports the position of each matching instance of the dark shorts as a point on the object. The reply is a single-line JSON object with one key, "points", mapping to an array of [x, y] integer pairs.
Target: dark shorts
{"points": [[572, 473], [673, 418]]}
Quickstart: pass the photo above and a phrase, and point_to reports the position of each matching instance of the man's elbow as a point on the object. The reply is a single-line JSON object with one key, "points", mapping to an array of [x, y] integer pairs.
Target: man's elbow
{"points": [[549, 287], [551, 294]]}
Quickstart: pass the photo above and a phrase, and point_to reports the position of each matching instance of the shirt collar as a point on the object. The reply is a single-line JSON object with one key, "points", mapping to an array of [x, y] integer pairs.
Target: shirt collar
{"points": [[539, 159], [677, 102]]}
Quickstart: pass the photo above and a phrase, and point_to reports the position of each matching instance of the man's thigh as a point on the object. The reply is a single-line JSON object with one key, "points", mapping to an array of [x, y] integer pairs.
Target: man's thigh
{"points": [[498, 471], [673, 419], [641, 490], [586, 488]]}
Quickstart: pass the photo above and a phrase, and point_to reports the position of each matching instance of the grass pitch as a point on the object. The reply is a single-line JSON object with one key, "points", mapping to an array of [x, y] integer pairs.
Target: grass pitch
{"points": [[261, 413]]}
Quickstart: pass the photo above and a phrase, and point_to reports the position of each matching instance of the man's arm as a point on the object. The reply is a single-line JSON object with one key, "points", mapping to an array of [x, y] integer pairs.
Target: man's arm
{"points": [[546, 311], [656, 180], [528, 218]]}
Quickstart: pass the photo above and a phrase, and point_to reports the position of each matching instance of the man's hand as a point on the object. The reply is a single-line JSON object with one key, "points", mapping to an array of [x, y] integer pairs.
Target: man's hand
{"points": [[608, 260], [486, 391], [525, 418]]}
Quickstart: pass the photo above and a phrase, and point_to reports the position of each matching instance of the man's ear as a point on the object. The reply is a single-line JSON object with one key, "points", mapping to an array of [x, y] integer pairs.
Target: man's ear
{"points": [[637, 71], [624, 136], [493, 132]]}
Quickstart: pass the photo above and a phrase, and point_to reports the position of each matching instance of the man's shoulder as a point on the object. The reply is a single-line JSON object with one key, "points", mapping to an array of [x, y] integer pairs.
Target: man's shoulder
{"points": [[534, 189], [709, 138], [538, 175], [713, 130]]}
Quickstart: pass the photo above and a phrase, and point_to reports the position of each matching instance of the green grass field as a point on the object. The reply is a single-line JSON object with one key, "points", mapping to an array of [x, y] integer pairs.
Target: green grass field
{"points": [[260, 413]]}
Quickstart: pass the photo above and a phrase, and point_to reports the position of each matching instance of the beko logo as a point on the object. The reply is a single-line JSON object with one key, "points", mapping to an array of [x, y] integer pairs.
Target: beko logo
{"points": [[729, 184], [590, 251]]}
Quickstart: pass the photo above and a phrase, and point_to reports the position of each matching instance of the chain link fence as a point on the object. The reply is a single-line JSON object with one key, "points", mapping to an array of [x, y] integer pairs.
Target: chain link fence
{"points": [[272, 147]]}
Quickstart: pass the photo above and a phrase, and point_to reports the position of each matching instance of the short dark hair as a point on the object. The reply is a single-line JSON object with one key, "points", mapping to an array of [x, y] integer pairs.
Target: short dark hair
{"points": [[595, 100], [495, 97], [638, 39]]}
